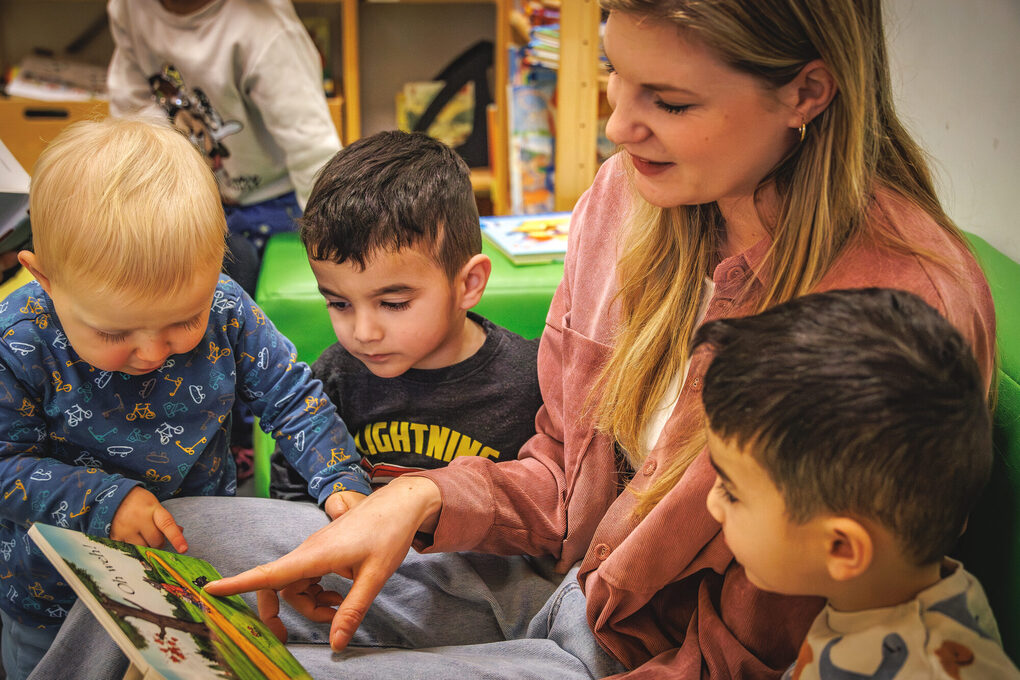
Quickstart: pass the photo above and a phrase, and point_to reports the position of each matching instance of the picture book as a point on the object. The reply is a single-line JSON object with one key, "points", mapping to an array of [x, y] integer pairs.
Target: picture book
{"points": [[529, 239], [153, 605]]}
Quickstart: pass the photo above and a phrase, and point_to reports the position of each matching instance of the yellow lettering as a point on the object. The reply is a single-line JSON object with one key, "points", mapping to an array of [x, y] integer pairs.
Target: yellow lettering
{"points": [[437, 441], [489, 452], [419, 436], [381, 439], [358, 443], [400, 438], [468, 447], [451, 447], [367, 434]]}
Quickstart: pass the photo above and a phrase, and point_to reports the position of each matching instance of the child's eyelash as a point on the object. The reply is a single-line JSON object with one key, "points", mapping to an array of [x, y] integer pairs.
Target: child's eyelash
{"points": [[112, 337], [191, 324], [608, 68], [397, 306], [727, 496]]}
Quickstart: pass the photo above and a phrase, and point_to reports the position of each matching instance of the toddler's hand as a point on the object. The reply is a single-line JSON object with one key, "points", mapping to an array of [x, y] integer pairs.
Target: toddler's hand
{"points": [[341, 502], [142, 520]]}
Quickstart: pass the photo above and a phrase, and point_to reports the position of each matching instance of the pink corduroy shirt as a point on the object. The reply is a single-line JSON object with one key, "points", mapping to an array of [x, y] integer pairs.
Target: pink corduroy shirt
{"points": [[664, 594]]}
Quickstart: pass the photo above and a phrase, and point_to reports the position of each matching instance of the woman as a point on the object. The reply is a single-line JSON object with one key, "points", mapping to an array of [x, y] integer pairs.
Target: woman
{"points": [[760, 160]]}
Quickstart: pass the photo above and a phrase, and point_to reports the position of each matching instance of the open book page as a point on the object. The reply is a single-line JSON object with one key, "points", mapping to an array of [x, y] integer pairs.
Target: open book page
{"points": [[153, 605]]}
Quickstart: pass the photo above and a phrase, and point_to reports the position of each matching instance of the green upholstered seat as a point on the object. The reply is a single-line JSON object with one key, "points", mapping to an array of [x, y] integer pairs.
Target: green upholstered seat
{"points": [[990, 548], [516, 297]]}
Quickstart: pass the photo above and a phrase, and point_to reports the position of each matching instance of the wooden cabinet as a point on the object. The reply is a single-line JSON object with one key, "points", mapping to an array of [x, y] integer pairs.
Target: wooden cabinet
{"points": [[28, 125]]}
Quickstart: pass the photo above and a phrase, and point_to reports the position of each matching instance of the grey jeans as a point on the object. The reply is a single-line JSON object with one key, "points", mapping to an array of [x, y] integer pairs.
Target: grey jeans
{"points": [[449, 615]]}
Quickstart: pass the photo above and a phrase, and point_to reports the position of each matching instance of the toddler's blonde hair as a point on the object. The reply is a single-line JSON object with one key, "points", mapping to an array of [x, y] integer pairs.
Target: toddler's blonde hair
{"points": [[125, 206]]}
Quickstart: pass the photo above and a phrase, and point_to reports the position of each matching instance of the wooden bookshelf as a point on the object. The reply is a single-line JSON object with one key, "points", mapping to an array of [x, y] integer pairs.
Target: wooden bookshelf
{"points": [[492, 182], [577, 94]]}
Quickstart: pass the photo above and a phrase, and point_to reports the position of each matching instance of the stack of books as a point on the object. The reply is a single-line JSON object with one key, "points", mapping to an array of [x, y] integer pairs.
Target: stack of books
{"points": [[56, 80], [543, 48], [529, 239]]}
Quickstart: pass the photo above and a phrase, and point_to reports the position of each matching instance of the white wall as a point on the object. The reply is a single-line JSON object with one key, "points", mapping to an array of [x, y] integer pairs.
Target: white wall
{"points": [[956, 70]]}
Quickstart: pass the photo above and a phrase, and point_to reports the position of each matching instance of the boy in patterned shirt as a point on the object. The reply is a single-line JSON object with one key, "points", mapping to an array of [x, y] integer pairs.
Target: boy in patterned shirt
{"points": [[851, 437], [120, 364]]}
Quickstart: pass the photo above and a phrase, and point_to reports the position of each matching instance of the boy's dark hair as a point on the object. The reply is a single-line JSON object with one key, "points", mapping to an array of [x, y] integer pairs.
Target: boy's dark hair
{"points": [[391, 191], [863, 403]]}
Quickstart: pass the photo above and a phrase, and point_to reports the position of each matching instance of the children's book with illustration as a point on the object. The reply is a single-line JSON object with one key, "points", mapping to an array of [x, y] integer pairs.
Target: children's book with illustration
{"points": [[529, 239], [153, 604]]}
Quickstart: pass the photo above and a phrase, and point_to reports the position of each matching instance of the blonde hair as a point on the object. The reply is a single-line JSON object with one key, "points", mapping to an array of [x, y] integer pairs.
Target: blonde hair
{"points": [[823, 188], [125, 206]]}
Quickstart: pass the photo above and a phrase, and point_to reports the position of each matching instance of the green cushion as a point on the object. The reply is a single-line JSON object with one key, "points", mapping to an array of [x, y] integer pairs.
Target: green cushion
{"points": [[1004, 279], [517, 297], [287, 293], [990, 548]]}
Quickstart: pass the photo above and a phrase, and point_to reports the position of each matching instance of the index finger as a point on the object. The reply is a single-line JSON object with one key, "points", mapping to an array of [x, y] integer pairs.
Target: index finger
{"points": [[166, 524], [269, 576]]}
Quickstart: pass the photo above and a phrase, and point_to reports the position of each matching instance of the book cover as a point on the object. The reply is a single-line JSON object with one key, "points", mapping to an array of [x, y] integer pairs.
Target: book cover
{"points": [[531, 97], [453, 124], [152, 604], [529, 239]]}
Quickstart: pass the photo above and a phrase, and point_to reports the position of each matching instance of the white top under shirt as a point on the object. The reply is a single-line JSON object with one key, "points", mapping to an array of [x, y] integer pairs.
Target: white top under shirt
{"points": [[665, 408]]}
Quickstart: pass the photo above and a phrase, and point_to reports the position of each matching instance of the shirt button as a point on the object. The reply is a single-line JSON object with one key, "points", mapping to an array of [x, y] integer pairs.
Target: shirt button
{"points": [[602, 551], [736, 274], [649, 468]]}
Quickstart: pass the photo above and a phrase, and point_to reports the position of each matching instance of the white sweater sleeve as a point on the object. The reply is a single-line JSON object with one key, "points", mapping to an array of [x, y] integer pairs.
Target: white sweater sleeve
{"points": [[285, 85], [125, 80]]}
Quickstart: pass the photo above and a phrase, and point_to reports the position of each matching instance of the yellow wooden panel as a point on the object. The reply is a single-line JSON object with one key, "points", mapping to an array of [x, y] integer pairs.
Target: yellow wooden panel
{"points": [[336, 112], [27, 125], [577, 101]]}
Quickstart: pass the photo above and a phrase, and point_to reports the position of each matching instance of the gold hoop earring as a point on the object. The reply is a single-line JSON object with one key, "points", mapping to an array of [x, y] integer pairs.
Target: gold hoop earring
{"points": [[803, 131]]}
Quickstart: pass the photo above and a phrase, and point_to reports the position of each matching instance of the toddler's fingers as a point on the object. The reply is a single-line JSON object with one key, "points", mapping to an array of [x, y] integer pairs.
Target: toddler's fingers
{"points": [[309, 599], [168, 527], [269, 612]]}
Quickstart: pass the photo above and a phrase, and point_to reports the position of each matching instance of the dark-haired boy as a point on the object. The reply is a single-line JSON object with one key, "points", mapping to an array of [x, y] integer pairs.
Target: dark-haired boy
{"points": [[851, 437], [392, 234]]}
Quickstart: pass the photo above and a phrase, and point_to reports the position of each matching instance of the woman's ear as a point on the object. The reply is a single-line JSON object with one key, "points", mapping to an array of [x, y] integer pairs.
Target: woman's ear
{"points": [[811, 91], [30, 262], [473, 278], [850, 549]]}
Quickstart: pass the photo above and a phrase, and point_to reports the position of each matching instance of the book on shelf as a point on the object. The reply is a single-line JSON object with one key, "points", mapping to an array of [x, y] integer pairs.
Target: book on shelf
{"points": [[529, 239], [531, 101], [50, 79], [153, 604]]}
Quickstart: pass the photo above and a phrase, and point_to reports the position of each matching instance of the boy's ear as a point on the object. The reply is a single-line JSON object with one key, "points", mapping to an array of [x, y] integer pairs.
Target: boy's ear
{"points": [[473, 278], [30, 262], [850, 548]]}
